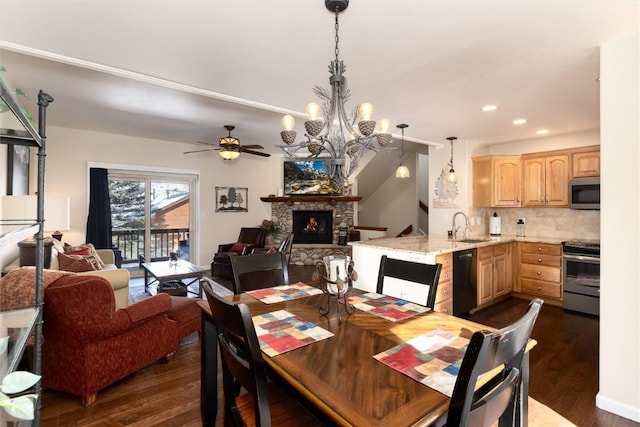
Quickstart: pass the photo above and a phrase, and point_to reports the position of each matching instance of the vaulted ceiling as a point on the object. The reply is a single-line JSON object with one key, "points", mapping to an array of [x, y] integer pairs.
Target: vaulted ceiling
{"points": [[181, 70]]}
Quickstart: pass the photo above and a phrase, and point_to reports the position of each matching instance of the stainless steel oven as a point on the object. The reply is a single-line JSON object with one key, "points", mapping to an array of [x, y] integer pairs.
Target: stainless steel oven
{"points": [[581, 265]]}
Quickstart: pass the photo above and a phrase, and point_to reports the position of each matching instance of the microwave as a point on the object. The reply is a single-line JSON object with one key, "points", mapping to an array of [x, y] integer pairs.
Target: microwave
{"points": [[584, 193]]}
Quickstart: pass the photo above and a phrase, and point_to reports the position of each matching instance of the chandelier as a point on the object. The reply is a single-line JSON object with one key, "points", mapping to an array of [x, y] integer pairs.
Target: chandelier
{"points": [[331, 134]]}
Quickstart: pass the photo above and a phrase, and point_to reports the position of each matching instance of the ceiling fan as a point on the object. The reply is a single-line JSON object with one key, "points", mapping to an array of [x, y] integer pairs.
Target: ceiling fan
{"points": [[230, 148]]}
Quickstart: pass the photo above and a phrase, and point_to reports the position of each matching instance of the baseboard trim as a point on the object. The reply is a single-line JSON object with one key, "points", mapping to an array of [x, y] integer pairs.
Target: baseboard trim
{"points": [[618, 408]]}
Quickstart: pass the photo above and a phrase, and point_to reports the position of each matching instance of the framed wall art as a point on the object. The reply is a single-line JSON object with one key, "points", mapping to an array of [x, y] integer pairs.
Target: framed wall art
{"points": [[232, 199], [17, 170]]}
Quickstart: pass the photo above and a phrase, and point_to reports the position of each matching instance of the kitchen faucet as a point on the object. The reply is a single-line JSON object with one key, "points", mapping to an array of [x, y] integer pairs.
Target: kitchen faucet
{"points": [[454, 229]]}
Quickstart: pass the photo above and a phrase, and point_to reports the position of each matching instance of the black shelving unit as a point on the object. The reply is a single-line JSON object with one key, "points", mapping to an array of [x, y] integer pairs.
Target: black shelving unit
{"points": [[28, 135]]}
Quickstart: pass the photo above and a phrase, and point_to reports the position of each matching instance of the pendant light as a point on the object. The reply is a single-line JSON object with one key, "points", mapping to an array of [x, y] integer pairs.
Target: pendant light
{"points": [[451, 176], [402, 171]]}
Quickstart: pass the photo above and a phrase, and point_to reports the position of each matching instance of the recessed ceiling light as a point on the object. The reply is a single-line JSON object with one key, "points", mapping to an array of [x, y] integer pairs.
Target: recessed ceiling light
{"points": [[490, 108], [542, 131], [519, 121]]}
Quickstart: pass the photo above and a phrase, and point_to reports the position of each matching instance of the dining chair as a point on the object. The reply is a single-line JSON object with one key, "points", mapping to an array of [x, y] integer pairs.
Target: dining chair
{"points": [[424, 274], [263, 403], [481, 400], [259, 271]]}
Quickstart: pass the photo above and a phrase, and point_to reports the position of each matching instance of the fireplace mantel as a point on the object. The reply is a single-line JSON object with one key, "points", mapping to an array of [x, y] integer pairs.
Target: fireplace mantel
{"points": [[290, 200]]}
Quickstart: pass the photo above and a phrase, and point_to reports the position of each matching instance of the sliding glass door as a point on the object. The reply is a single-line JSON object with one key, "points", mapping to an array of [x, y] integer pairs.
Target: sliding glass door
{"points": [[151, 215]]}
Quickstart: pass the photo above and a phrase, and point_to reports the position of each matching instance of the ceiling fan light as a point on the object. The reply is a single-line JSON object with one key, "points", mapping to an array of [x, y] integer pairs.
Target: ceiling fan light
{"points": [[228, 154], [229, 140]]}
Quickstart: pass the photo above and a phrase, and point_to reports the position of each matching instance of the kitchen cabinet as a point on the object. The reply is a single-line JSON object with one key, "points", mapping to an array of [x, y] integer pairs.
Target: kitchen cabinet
{"points": [[492, 273], [444, 294], [545, 180], [541, 270], [586, 164], [496, 181]]}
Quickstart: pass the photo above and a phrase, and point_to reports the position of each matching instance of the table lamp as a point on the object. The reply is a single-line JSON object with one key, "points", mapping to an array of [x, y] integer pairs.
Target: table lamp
{"points": [[56, 211], [22, 210]]}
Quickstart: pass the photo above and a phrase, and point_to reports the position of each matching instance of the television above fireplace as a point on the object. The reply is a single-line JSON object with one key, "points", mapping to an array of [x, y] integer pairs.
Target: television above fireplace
{"points": [[309, 178]]}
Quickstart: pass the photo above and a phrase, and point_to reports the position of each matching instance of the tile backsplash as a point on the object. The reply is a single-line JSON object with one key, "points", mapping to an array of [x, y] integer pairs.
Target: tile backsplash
{"points": [[547, 222]]}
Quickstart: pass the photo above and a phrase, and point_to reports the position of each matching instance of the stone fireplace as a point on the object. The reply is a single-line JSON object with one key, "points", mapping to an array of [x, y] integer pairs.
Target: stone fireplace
{"points": [[329, 211]]}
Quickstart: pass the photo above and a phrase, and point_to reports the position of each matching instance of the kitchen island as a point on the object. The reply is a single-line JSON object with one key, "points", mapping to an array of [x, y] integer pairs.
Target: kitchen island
{"points": [[495, 270]]}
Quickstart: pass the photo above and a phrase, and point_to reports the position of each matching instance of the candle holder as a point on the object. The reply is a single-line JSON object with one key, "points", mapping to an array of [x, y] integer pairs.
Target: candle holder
{"points": [[339, 277]]}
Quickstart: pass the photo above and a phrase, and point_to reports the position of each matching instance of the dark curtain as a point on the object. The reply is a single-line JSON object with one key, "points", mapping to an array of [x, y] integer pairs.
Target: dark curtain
{"points": [[99, 220]]}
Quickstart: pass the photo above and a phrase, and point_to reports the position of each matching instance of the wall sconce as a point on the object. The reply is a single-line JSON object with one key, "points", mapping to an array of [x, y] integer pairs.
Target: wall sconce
{"points": [[451, 176], [402, 171]]}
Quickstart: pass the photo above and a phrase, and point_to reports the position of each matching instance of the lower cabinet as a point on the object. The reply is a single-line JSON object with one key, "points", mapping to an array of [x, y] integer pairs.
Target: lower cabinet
{"points": [[492, 267], [444, 294], [541, 270]]}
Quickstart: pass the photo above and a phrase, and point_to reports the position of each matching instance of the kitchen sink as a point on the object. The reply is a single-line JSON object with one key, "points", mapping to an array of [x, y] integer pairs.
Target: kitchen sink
{"points": [[473, 240]]}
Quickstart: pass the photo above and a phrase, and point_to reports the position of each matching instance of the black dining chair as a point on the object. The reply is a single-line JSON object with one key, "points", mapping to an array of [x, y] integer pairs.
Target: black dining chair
{"points": [[424, 274], [259, 271], [249, 399], [479, 400]]}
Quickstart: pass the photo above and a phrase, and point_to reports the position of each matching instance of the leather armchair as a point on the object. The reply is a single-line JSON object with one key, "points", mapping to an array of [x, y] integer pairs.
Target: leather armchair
{"points": [[285, 246], [248, 239], [88, 344]]}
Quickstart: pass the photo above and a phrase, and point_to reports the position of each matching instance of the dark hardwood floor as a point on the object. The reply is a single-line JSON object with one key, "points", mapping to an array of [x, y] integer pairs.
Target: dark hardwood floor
{"points": [[564, 364], [564, 376]]}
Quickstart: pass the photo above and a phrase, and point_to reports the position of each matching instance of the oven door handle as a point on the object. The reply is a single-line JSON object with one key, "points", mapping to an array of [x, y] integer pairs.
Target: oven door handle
{"points": [[583, 258]]}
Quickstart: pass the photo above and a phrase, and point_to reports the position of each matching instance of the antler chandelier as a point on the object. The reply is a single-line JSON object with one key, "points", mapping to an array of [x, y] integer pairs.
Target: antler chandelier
{"points": [[331, 133]]}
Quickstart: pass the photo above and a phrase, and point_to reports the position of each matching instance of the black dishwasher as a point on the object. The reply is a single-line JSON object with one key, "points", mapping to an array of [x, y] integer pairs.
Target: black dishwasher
{"points": [[465, 296]]}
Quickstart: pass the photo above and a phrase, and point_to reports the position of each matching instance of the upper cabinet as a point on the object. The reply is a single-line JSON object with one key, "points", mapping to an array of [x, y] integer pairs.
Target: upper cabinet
{"points": [[586, 163], [496, 181], [545, 180]]}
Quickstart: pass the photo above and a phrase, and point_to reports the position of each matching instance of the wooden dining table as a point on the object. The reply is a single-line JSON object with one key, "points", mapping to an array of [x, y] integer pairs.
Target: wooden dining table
{"points": [[339, 375]]}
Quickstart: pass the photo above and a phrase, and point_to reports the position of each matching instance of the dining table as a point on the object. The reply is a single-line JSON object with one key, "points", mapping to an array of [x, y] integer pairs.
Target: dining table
{"points": [[339, 376]]}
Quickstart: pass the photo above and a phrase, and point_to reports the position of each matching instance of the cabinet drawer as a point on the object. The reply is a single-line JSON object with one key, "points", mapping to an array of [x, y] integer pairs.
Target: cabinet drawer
{"points": [[445, 275], [445, 306], [541, 272], [539, 259], [541, 248], [446, 260], [445, 291], [541, 288]]}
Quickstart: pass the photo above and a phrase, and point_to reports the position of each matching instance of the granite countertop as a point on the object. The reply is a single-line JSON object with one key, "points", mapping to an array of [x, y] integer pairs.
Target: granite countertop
{"points": [[437, 244]]}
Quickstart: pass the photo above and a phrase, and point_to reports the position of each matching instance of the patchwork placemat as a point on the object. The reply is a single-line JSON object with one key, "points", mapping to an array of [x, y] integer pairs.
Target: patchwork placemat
{"points": [[284, 293], [281, 331], [390, 308], [433, 359]]}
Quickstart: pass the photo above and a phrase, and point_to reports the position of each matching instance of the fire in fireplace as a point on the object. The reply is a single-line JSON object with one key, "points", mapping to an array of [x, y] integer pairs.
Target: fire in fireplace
{"points": [[313, 227]]}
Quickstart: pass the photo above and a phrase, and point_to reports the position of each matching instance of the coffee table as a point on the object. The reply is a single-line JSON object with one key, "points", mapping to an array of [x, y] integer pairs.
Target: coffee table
{"points": [[160, 273]]}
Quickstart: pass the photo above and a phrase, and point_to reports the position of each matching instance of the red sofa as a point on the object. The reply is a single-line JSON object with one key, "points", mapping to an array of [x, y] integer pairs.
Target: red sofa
{"points": [[88, 344]]}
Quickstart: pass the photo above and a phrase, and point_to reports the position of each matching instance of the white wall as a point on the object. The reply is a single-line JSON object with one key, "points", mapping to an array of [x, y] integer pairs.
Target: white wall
{"points": [[620, 241], [547, 143], [394, 204], [69, 151]]}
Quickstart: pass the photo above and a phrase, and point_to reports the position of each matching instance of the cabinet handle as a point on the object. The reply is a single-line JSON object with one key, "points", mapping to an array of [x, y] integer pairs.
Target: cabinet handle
{"points": [[539, 288], [539, 259], [538, 273], [446, 310], [446, 291], [539, 249]]}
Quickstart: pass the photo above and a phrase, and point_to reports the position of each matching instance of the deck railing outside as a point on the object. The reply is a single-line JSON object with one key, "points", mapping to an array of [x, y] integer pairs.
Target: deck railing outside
{"points": [[131, 242]]}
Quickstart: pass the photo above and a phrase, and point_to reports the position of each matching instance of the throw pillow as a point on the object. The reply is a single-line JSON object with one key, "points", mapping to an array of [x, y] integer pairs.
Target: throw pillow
{"points": [[83, 251], [76, 263], [238, 247], [84, 247]]}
